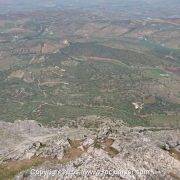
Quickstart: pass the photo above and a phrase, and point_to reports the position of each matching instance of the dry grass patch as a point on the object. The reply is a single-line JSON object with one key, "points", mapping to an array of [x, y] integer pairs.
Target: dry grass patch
{"points": [[74, 143], [175, 153], [11, 169], [111, 151], [72, 154], [108, 142]]}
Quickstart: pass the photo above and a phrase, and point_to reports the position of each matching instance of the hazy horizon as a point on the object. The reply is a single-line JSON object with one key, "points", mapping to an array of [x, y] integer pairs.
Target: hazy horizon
{"points": [[165, 8]]}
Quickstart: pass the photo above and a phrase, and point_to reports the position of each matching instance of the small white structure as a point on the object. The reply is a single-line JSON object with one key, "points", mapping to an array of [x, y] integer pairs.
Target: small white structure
{"points": [[66, 42], [138, 105], [51, 33]]}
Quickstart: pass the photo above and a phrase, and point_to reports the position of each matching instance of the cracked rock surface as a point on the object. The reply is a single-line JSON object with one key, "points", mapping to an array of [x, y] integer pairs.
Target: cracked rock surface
{"points": [[109, 151]]}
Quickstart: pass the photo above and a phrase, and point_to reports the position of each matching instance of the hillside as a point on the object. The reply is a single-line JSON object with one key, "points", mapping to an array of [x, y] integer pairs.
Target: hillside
{"points": [[89, 89], [108, 150]]}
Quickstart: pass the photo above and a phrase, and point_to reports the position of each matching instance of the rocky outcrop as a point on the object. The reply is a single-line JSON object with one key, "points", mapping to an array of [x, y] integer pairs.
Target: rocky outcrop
{"points": [[108, 152]]}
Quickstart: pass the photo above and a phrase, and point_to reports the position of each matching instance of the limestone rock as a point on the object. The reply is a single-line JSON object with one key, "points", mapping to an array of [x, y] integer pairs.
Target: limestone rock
{"points": [[139, 155], [104, 132]]}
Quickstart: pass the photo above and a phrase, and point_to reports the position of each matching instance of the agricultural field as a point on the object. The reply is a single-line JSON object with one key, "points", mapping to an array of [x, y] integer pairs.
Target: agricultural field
{"points": [[69, 64]]}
